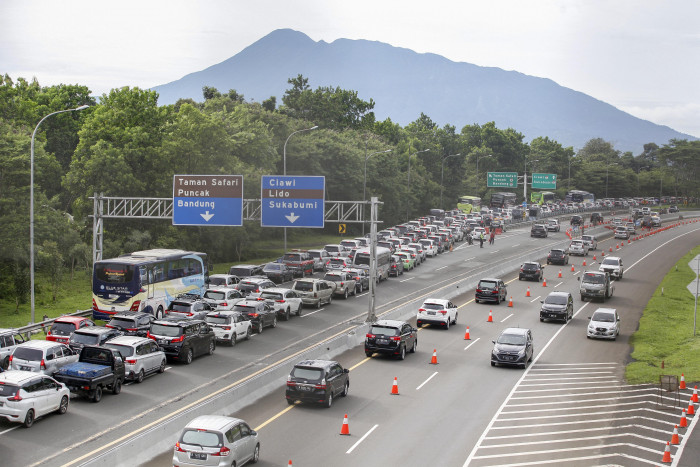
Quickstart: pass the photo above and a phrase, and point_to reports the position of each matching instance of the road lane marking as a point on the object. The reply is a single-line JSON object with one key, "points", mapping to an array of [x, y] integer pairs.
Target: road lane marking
{"points": [[359, 363], [429, 378], [304, 315], [495, 251], [274, 417], [558, 285], [409, 279], [9, 429], [517, 244], [465, 304], [441, 268], [475, 341], [534, 299], [507, 317], [361, 439], [468, 259], [576, 273]]}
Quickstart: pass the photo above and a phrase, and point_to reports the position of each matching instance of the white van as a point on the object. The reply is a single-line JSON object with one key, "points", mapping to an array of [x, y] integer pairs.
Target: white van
{"points": [[361, 260]]}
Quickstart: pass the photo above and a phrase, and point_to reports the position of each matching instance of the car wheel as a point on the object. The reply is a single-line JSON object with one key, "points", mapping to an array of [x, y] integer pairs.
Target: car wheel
{"points": [[520, 278], [290, 401], [541, 320], [299, 309], [260, 327], [63, 407], [274, 322], [188, 356], [212, 347], [117, 387], [345, 294], [97, 394], [29, 418], [318, 304], [287, 314], [139, 376], [360, 288], [345, 389], [402, 353], [233, 339], [415, 344], [256, 455], [330, 299], [454, 321], [447, 325], [582, 298], [248, 333], [369, 354], [161, 368], [329, 401], [493, 363]]}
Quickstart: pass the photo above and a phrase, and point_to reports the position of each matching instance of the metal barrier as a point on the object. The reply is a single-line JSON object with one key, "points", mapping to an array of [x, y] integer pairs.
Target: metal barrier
{"points": [[27, 331]]}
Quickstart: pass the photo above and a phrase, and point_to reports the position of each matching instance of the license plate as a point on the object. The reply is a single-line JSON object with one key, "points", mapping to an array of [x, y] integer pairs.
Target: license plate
{"points": [[25, 368], [431, 312], [202, 456], [304, 388], [162, 341], [382, 341]]}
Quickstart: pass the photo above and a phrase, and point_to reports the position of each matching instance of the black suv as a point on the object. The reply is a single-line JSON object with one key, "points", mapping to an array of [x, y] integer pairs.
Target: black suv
{"points": [[91, 335], [392, 338], [557, 305], [539, 230], [490, 290], [558, 256], [531, 270], [183, 339], [513, 347], [576, 220], [596, 218], [246, 270], [259, 312], [188, 306], [317, 381], [131, 323]]}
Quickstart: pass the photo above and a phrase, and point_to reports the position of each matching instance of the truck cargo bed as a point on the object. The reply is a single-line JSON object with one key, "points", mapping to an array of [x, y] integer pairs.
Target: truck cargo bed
{"points": [[84, 370]]}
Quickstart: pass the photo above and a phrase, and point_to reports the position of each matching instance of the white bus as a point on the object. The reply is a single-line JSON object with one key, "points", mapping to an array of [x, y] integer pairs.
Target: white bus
{"points": [[361, 260]]}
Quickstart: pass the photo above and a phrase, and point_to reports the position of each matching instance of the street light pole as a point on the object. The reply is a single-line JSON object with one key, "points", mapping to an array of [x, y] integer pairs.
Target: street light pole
{"points": [[477, 172], [408, 183], [31, 202], [442, 174], [525, 180], [284, 168]]}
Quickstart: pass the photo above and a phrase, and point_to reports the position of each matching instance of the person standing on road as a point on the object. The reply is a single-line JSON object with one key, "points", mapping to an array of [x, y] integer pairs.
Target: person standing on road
{"points": [[481, 240], [492, 238]]}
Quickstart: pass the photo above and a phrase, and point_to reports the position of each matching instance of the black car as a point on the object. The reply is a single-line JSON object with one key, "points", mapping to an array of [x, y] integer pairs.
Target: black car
{"points": [[558, 306], [317, 381], [361, 277], [596, 218], [490, 290], [259, 312], [278, 272], [558, 256], [91, 335], [673, 209], [246, 270], [392, 338], [576, 220], [183, 339], [513, 347], [131, 323], [188, 306], [531, 270], [395, 266], [539, 230]]}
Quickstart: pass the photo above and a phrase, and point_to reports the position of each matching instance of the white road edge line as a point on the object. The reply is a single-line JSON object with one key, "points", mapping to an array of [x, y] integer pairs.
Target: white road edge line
{"points": [[558, 285], [409, 279], [429, 378], [361, 439], [9, 429], [304, 315], [534, 299], [441, 268], [475, 340], [507, 317]]}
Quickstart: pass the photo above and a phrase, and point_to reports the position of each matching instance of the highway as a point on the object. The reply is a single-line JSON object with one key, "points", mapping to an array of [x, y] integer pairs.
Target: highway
{"points": [[459, 412]]}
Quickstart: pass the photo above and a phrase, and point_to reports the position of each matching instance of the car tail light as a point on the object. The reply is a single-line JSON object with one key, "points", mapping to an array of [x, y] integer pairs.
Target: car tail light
{"points": [[42, 365], [132, 330], [495, 291], [179, 339], [131, 361], [253, 315], [15, 398], [226, 328], [396, 338], [290, 383], [106, 325], [10, 360], [135, 305], [370, 336], [223, 304], [149, 335], [443, 312], [279, 301], [420, 310], [522, 270], [178, 448], [256, 290], [478, 290], [94, 305], [322, 385]]}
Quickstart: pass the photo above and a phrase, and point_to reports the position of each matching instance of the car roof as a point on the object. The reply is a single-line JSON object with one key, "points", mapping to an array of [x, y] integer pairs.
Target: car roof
{"points": [[93, 330], [489, 279], [128, 340], [520, 331], [212, 422], [17, 376], [532, 262], [250, 302], [223, 275], [559, 294], [437, 301], [130, 314], [606, 310], [70, 319], [316, 363], [277, 289], [37, 344], [176, 321], [392, 323]]}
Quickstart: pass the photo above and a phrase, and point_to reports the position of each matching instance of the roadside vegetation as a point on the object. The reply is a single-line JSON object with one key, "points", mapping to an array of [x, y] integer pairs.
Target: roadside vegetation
{"points": [[665, 331]]}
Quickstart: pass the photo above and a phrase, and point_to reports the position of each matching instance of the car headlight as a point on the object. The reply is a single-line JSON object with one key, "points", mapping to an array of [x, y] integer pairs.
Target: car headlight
{"points": [[521, 352], [591, 328]]}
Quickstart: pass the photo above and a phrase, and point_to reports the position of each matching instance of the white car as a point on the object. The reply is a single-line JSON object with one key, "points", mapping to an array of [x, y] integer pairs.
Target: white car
{"points": [[591, 241], [612, 265], [25, 396], [222, 298], [141, 355], [428, 246], [223, 280], [604, 324], [229, 326], [437, 311], [553, 225], [578, 247], [285, 301], [476, 233]]}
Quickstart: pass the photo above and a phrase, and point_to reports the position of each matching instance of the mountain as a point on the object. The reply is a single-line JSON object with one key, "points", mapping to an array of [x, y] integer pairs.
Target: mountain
{"points": [[404, 83]]}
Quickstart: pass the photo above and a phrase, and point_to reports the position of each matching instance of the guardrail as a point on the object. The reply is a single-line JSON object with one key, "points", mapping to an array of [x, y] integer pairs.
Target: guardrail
{"points": [[28, 330]]}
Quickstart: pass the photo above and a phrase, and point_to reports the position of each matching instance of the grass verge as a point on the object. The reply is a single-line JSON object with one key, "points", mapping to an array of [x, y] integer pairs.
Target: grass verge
{"points": [[665, 331]]}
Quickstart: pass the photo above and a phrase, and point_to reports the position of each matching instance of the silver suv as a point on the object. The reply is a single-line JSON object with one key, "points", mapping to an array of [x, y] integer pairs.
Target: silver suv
{"points": [[316, 292], [9, 339], [345, 283], [44, 357], [216, 440]]}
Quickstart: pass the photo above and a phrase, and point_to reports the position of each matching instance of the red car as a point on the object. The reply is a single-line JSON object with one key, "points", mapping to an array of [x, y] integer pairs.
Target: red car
{"points": [[63, 327]]}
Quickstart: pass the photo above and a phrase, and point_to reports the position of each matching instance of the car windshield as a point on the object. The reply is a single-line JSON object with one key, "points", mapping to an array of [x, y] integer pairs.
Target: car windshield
{"points": [[587, 238], [244, 308], [165, 331], [214, 295], [180, 307], [198, 437], [291, 257], [87, 339], [122, 323], [487, 285], [332, 278], [217, 281], [272, 267], [610, 261], [594, 278], [332, 248], [314, 254], [124, 350], [314, 374], [433, 306], [603, 317], [271, 295], [384, 331], [247, 286], [556, 252], [240, 272], [556, 300], [30, 355], [529, 267], [62, 329], [217, 319], [7, 390], [304, 286], [577, 243], [511, 339]]}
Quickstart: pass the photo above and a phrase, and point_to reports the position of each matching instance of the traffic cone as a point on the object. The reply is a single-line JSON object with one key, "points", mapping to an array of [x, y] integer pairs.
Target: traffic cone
{"points": [[682, 386], [602, 254], [674, 436], [594, 258], [611, 249], [527, 294], [572, 268], [617, 246], [466, 335], [691, 408], [544, 282], [628, 241], [395, 387], [433, 361], [290, 463], [345, 429], [694, 397], [684, 421], [667, 454], [510, 303], [560, 274], [584, 263], [490, 320]]}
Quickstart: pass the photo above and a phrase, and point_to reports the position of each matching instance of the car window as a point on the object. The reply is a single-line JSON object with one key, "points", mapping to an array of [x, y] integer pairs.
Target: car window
{"points": [[314, 374], [384, 330], [511, 339]]}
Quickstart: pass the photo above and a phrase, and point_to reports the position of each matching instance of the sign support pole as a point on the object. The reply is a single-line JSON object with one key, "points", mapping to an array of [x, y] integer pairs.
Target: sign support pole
{"points": [[371, 316]]}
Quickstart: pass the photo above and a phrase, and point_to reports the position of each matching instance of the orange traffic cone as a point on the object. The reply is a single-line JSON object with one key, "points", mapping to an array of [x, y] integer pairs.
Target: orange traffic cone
{"points": [[602, 254], [290, 463], [433, 361], [617, 246], [584, 263], [572, 268], [490, 320], [466, 335], [691, 409], [395, 387], [544, 282], [594, 258], [628, 241], [674, 436], [560, 274], [667, 454], [694, 397], [684, 421], [345, 429], [611, 249], [527, 294], [510, 303], [682, 386]]}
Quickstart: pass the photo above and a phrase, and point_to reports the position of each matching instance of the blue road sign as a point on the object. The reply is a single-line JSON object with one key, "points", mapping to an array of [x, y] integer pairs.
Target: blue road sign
{"points": [[208, 200], [292, 201]]}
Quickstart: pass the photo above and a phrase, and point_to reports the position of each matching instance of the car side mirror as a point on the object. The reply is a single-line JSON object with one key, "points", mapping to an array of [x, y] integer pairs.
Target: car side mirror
{"points": [[589, 317], [618, 318], [58, 388], [578, 279], [346, 370], [541, 301], [493, 342]]}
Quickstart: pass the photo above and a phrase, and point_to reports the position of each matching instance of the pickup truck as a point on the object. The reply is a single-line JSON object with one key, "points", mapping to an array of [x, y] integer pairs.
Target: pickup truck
{"points": [[300, 262], [97, 369], [596, 285]]}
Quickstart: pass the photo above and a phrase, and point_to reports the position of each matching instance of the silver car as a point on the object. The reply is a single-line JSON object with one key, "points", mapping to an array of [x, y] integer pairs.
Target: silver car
{"points": [[223, 298], [44, 357], [25, 396], [285, 301], [9, 339], [216, 440], [316, 292], [141, 355]]}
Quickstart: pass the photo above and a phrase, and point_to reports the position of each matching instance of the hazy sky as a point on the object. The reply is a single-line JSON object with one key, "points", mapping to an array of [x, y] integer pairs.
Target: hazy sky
{"points": [[642, 56]]}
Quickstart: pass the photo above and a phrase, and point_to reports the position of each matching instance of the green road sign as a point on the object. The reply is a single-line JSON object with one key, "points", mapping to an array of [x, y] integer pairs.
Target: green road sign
{"points": [[546, 181], [502, 180]]}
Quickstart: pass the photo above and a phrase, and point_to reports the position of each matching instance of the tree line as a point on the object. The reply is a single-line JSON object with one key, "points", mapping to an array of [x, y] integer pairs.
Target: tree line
{"points": [[125, 144]]}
